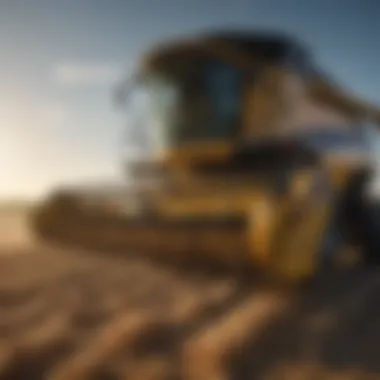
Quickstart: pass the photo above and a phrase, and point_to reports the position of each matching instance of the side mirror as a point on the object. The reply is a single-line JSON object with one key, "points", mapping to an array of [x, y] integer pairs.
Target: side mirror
{"points": [[124, 89]]}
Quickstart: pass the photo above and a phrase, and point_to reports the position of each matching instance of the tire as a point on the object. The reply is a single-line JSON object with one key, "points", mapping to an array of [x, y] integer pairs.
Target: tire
{"points": [[370, 239], [332, 243], [355, 223], [363, 216]]}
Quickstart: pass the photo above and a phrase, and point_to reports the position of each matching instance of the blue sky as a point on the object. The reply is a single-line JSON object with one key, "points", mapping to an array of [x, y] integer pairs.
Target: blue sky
{"points": [[61, 59]]}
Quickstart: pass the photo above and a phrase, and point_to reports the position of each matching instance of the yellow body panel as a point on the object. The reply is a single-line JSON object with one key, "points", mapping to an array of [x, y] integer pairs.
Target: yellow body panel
{"points": [[204, 152], [207, 204], [274, 225], [303, 224]]}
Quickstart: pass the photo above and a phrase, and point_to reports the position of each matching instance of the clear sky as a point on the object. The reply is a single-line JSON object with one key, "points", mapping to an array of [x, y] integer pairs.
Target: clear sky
{"points": [[60, 60]]}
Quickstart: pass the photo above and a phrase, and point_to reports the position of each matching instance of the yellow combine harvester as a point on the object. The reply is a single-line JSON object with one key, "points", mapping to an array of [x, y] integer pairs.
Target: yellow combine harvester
{"points": [[253, 159]]}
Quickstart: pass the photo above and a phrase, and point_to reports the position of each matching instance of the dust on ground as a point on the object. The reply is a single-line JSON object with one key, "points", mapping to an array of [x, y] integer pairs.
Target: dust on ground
{"points": [[70, 315]]}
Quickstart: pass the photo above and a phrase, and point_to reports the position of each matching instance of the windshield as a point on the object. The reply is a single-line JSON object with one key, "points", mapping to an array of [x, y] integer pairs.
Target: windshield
{"points": [[198, 104]]}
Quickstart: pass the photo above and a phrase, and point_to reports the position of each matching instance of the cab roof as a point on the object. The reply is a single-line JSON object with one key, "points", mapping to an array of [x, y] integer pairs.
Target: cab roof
{"points": [[268, 46]]}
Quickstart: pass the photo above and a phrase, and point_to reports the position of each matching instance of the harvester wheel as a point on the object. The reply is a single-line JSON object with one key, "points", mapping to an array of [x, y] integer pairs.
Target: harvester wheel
{"points": [[332, 246], [350, 235], [371, 233]]}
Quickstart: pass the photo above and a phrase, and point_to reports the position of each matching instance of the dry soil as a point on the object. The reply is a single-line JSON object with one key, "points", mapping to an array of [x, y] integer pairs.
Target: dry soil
{"points": [[67, 314]]}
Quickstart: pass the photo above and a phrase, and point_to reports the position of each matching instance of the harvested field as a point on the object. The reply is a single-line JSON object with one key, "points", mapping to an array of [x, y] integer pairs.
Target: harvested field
{"points": [[13, 231], [68, 315]]}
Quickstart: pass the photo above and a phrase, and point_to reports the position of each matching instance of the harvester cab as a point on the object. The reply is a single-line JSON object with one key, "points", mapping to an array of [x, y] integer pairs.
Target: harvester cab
{"points": [[213, 99], [207, 98], [259, 157]]}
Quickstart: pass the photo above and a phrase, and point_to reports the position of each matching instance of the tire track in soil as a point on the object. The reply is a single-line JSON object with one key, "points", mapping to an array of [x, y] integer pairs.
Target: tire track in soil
{"points": [[66, 315], [74, 316]]}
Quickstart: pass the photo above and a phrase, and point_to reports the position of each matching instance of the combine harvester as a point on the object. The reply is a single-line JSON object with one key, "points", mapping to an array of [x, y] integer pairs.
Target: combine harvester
{"points": [[254, 159]]}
